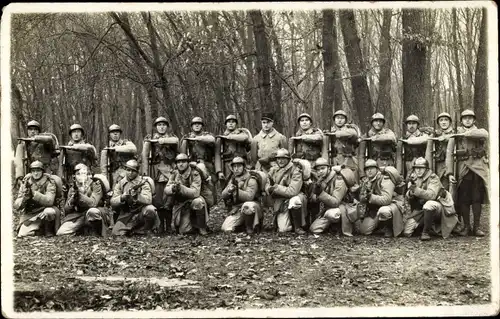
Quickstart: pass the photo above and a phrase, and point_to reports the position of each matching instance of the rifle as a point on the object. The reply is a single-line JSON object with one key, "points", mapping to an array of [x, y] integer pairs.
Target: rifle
{"points": [[453, 186], [108, 162], [25, 154], [234, 196], [150, 155], [133, 192], [433, 168], [76, 195], [28, 194]]}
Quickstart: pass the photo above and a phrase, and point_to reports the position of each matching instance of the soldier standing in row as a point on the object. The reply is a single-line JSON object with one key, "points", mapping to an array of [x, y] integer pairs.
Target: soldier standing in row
{"points": [[158, 161], [37, 146], [378, 144], [412, 146], [430, 203], [116, 153], [199, 145], [342, 140], [77, 151], [266, 144], [308, 141], [440, 143], [233, 142], [469, 148]]}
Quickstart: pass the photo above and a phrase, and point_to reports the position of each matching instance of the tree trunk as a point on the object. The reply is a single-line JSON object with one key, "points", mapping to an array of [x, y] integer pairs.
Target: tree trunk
{"points": [[337, 74], [481, 107], [458, 69], [361, 94], [385, 61], [276, 81], [328, 68]]}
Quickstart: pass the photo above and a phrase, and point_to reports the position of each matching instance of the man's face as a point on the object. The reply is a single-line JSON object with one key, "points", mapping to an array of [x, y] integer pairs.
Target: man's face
{"points": [[420, 171], [322, 170], [468, 121], [115, 136], [231, 125], [378, 124], [371, 172], [131, 173], [82, 175], [76, 135], [161, 127], [305, 123], [182, 165], [32, 131], [282, 161], [444, 122], [340, 120], [237, 169], [197, 127], [411, 126], [36, 173], [266, 125]]}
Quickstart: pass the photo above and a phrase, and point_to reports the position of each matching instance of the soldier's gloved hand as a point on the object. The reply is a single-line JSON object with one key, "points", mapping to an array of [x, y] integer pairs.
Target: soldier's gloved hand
{"points": [[130, 199], [272, 188], [231, 188], [123, 197], [316, 188], [452, 179], [221, 176], [176, 188], [29, 193]]}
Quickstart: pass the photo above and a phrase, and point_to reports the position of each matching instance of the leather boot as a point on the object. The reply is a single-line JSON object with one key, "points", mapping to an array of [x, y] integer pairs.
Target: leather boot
{"points": [[465, 212], [249, 223], [387, 228], [428, 221], [476, 210], [201, 222], [49, 228], [296, 215]]}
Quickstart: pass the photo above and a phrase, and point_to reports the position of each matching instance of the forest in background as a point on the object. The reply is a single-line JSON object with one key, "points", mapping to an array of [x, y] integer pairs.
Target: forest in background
{"points": [[130, 67]]}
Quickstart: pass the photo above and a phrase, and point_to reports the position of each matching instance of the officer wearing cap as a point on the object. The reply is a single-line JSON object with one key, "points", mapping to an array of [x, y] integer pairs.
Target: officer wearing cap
{"points": [[242, 193], [341, 142], [266, 143], [36, 203], [38, 146], [184, 200], [132, 199], [430, 203], [158, 161], [379, 144], [77, 151], [469, 148], [116, 153], [233, 142], [412, 145], [308, 141]]}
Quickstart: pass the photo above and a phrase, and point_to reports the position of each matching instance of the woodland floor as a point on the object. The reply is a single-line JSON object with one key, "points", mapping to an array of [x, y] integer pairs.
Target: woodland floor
{"points": [[239, 272]]}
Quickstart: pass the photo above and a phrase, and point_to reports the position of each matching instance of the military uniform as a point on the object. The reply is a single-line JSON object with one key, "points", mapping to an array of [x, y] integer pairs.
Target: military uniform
{"points": [[39, 215], [122, 151], [440, 147], [158, 161], [183, 193], [381, 147], [42, 147], [473, 171], [244, 202], [265, 145], [431, 205], [77, 152], [310, 144], [412, 147], [136, 213]]}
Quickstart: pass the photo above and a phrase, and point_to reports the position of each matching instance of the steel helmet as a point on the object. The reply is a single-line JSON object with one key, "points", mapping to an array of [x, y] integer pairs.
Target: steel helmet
{"points": [[36, 164], [181, 157], [115, 127], [412, 118], [33, 123], [370, 163], [196, 119], [340, 113], [238, 160], [378, 116], [76, 127], [161, 119], [80, 166], [320, 162], [282, 153], [304, 115], [467, 113], [421, 162], [132, 164], [231, 117], [444, 114]]}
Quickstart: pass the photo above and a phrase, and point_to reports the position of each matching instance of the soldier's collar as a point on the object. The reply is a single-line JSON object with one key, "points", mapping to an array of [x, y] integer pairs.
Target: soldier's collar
{"points": [[42, 179], [427, 174], [186, 173], [330, 176], [270, 134], [243, 176]]}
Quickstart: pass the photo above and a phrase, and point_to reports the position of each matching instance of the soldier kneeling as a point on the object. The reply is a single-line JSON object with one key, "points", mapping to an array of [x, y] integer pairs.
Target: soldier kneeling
{"points": [[429, 203], [241, 194], [35, 201], [85, 211], [132, 198], [184, 198]]}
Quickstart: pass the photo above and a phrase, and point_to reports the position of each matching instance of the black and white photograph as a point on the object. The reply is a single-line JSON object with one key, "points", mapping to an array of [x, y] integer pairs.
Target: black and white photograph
{"points": [[259, 159]]}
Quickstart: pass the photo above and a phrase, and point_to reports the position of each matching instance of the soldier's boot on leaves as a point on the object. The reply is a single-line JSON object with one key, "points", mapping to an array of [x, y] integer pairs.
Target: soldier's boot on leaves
{"points": [[48, 227], [93, 228], [476, 210], [249, 224], [428, 220], [148, 226], [296, 214], [465, 212], [200, 221], [388, 229]]}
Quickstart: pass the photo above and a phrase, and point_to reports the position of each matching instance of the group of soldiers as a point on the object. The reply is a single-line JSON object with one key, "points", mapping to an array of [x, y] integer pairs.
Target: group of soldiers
{"points": [[429, 179]]}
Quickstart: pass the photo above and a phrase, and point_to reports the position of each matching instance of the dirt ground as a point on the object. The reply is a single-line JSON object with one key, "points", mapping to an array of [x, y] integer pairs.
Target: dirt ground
{"points": [[234, 271]]}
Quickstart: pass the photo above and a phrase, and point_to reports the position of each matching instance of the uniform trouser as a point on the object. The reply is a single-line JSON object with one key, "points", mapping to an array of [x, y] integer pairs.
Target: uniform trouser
{"points": [[34, 224], [145, 218], [90, 216], [412, 224], [190, 215], [369, 224], [164, 215], [249, 214], [284, 218]]}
